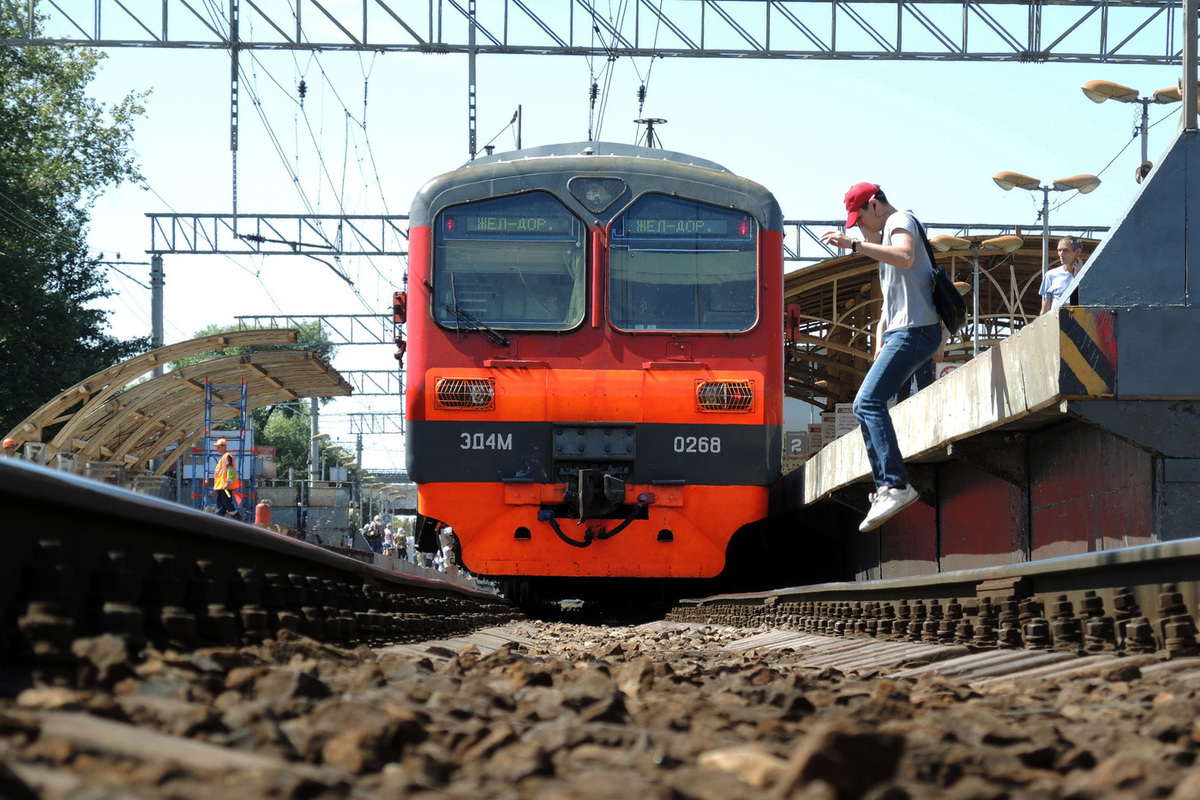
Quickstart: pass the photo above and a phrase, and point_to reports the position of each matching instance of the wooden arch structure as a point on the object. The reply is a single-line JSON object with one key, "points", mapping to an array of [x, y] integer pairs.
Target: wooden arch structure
{"points": [[119, 416], [833, 308]]}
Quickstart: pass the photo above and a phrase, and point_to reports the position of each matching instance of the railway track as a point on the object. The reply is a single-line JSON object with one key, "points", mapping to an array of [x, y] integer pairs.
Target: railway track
{"points": [[84, 559], [151, 651], [1131, 601]]}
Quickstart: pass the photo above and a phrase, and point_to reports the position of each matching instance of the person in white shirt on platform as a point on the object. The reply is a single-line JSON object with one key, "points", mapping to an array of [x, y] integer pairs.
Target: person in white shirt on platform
{"points": [[1058, 280]]}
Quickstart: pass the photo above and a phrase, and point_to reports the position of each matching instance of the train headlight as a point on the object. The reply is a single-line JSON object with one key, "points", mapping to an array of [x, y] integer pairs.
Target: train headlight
{"points": [[473, 394], [725, 396]]}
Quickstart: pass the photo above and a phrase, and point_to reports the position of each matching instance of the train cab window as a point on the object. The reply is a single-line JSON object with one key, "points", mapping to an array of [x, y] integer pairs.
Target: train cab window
{"points": [[680, 265], [512, 263]]}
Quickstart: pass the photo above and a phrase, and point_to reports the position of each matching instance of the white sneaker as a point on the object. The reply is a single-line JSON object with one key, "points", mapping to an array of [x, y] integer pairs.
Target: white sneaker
{"points": [[886, 503]]}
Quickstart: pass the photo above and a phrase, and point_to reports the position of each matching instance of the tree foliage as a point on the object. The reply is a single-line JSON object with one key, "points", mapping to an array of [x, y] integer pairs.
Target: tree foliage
{"points": [[288, 428], [289, 432], [60, 150]]}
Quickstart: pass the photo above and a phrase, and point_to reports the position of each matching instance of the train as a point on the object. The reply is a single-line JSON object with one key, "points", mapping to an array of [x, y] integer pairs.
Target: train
{"points": [[594, 379]]}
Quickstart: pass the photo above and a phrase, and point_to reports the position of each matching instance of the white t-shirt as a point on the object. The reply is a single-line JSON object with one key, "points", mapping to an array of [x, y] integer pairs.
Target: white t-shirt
{"points": [[1056, 282], [907, 293]]}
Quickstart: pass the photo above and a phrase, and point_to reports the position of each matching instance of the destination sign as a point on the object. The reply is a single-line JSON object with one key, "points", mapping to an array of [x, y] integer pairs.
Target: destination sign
{"points": [[468, 224], [641, 226]]}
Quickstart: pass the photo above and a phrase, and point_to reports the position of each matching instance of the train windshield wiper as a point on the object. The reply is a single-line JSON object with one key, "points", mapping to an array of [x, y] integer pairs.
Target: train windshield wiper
{"points": [[474, 324]]}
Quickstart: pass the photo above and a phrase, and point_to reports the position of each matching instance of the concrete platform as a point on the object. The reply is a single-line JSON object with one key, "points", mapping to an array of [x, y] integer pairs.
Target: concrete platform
{"points": [[1080, 433], [1017, 386]]}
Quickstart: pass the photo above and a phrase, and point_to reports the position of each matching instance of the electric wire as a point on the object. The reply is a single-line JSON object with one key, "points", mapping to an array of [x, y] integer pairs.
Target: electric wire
{"points": [[360, 123], [120, 271], [251, 79], [1136, 134], [644, 89], [36, 227], [609, 65]]}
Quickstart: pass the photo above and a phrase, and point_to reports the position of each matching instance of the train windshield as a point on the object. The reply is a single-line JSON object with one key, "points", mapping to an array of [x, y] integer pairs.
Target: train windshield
{"points": [[513, 263], [680, 265]]}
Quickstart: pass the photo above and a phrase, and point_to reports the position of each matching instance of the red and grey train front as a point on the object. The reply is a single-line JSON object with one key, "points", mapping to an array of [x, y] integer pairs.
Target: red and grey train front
{"points": [[595, 377]]}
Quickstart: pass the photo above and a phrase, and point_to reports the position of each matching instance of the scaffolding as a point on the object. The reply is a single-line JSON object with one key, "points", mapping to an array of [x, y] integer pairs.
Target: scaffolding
{"points": [[233, 415]]}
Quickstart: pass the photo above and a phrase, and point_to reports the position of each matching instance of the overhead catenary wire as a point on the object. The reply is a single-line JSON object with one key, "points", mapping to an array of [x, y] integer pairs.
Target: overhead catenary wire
{"points": [[608, 71], [1136, 133], [644, 88], [256, 103], [250, 77]]}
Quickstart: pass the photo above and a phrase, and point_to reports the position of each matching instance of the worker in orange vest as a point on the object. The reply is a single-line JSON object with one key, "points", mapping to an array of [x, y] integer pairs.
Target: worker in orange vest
{"points": [[226, 483]]}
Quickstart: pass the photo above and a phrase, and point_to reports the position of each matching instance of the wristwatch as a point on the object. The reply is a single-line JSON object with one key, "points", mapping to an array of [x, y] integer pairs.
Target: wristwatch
{"points": [[854, 245]]}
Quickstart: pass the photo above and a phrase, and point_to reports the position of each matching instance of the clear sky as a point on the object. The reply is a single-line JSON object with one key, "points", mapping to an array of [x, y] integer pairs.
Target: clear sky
{"points": [[373, 128]]}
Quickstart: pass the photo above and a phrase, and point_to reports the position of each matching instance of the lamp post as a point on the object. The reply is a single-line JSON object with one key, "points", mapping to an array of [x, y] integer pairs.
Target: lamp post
{"points": [[1003, 244], [314, 455], [1080, 183], [1099, 91]]}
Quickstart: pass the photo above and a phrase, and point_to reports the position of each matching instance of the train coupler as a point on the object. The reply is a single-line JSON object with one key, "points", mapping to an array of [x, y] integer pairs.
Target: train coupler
{"points": [[595, 493], [590, 534]]}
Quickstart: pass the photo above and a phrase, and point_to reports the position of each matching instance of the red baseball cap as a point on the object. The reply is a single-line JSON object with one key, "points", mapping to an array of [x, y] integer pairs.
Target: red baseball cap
{"points": [[857, 197]]}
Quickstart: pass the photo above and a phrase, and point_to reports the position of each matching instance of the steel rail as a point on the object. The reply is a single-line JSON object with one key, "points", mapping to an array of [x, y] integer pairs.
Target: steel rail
{"points": [[84, 558], [1135, 599]]}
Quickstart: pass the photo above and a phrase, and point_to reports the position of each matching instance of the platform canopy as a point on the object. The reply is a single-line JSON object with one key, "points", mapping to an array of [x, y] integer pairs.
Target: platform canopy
{"points": [[833, 309], [121, 415]]}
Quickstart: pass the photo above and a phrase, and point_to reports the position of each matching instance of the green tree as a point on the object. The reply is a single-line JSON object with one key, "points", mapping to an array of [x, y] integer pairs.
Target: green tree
{"points": [[288, 428], [60, 150], [289, 433]]}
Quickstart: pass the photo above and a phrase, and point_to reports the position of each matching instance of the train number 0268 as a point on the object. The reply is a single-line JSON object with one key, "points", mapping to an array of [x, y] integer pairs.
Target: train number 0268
{"points": [[697, 444]]}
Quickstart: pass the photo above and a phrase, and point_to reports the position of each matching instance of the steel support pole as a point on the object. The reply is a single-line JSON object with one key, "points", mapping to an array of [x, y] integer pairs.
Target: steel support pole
{"points": [[1045, 229], [975, 311], [234, 84], [314, 455], [1145, 128], [1189, 64], [472, 50], [156, 306]]}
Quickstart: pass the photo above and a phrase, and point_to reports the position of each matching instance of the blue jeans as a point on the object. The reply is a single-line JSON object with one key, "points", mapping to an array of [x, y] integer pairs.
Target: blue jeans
{"points": [[904, 350], [920, 379]]}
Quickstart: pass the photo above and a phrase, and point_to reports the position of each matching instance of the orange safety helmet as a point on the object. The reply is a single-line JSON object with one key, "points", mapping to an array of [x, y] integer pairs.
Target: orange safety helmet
{"points": [[10, 442]]}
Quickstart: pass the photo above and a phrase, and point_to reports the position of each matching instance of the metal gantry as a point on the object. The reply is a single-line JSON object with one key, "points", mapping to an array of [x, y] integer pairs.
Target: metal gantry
{"points": [[802, 243], [342, 329], [375, 382], [200, 234], [1099, 31], [377, 423], [286, 234]]}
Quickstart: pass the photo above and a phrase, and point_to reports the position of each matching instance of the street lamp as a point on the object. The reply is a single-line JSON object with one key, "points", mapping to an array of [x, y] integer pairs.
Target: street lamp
{"points": [[1080, 183], [1003, 244], [1099, 91]]}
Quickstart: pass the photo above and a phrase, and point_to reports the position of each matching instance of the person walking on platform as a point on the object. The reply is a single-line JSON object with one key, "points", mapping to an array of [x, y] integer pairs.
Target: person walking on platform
{"points": [[910, 334], [373, 533], [10, 448], [225, 482]]}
